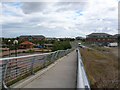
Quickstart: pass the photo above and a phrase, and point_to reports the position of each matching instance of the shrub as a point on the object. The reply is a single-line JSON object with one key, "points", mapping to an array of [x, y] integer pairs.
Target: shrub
{"points": [[61, 45], [30, 51]]}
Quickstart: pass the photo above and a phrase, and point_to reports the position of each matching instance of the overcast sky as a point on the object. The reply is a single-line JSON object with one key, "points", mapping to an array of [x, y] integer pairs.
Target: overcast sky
{"points": [[59, 19]]}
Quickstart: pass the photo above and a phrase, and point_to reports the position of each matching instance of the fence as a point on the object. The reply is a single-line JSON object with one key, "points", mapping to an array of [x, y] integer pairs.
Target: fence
{"points": [[82, 80], [14, 69]]}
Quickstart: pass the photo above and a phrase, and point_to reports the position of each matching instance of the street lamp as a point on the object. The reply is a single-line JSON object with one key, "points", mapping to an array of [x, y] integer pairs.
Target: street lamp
{"points": [[15, 42], [9, 46]]}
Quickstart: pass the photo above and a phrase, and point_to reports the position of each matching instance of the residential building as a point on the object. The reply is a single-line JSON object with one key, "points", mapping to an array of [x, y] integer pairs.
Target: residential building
{"points": [[100, 38], [48, 46], [31, 38], [26, 45], [116, 37]]}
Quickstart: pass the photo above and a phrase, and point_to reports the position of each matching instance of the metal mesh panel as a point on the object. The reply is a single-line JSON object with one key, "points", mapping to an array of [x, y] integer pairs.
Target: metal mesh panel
{"points": [[14, 69]]}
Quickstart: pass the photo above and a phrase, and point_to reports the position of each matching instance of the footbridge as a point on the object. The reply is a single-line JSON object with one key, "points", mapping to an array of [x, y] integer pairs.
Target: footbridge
{"points": [[59, 69]]}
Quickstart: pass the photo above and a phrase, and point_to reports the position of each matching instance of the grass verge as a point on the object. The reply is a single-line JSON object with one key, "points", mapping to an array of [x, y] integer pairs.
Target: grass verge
{"points": [[101, 68]]}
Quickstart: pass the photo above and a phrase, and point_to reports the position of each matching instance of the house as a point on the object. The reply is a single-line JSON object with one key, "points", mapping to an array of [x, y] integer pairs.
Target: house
{"points": [[100, 38], [116, 37], [26, 45], [48, 46], [31, 38]]}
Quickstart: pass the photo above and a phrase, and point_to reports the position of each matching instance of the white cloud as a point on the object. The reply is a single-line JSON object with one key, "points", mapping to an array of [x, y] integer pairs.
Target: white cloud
{"points": [[75, 18], [0, 13], [12, 10]]}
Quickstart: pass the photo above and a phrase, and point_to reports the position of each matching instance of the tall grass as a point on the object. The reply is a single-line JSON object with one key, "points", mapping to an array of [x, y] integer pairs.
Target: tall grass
{"points": [[101, 68]]}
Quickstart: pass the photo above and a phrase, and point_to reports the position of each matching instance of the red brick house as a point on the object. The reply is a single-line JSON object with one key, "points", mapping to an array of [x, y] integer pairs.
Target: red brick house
{"points": [[31, 38], [26, 45], [116, 37], [100, 38]]}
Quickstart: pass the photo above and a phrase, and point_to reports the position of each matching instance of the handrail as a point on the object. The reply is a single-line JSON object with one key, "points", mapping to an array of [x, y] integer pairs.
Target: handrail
{"points": [[82, 80], [1, 59], [16, 68]]}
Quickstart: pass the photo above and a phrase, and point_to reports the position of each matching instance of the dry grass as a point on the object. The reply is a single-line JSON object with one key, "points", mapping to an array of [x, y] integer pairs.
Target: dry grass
{"points": [[101, 68], [102, 48]]}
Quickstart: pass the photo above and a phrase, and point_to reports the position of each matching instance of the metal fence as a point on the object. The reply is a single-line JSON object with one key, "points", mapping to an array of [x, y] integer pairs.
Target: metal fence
{"points": [[82, 80], [14, 69]]}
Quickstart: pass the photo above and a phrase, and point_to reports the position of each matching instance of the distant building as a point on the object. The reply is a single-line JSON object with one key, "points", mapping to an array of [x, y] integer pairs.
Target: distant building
{"points": [[100, 38], [80, 38], [116, 37], [48, 46], [32, 38], [26, 45]]}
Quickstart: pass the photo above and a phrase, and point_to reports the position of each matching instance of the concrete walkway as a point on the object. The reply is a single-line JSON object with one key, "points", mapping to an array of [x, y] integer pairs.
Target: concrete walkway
{"points": [[62, 75]]}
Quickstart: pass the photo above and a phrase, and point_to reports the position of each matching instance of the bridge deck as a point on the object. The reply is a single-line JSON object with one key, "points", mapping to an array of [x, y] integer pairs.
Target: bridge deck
{"points": [[62, 75]]}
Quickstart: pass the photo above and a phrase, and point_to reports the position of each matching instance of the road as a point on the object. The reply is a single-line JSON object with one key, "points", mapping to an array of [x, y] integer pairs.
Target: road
{"points": [[62, 75]]}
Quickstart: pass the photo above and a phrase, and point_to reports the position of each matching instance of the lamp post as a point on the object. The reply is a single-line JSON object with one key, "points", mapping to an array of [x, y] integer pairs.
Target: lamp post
{"points": [[9, 46], [15, 42]]}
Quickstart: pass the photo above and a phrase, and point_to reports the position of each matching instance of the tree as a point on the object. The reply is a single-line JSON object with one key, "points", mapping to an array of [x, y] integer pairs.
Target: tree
{"points": [[61, 45]]}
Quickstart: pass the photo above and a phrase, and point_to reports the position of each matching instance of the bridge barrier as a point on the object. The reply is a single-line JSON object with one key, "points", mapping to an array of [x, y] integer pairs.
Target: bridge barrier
{"points": [[82, 80], [14, 69]]}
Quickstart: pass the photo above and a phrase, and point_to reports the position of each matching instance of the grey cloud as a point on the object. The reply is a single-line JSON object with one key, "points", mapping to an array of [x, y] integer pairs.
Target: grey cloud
{"points": [[63, 6], [31, 7], [33, 21], [112, 9], [14, 31], [16, 26]]}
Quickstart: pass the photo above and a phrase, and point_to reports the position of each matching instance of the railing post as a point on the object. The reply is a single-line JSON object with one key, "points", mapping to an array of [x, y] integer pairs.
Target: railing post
{"points": [[56, 55], [66, 52], [52, 58], [4, 86], [60, 54], [63, 53], [44, 64], [32, 65]]}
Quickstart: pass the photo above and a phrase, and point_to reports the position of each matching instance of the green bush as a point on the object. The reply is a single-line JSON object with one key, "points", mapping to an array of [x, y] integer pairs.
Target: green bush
{"points": [[30, 51], [61, 45]]}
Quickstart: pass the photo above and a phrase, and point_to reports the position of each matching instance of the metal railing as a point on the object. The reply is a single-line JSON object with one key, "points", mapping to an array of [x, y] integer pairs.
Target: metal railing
{"points": [[14, 69], [82, 80]]}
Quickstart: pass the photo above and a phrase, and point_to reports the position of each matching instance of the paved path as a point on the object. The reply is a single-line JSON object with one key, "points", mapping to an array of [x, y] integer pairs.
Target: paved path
{"points": [[62, 75]]}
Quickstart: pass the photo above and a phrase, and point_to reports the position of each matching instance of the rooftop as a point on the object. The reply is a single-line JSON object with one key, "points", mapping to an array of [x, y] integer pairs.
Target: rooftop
{"points": [[36, 36], [27, 42], [99, 34]]}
